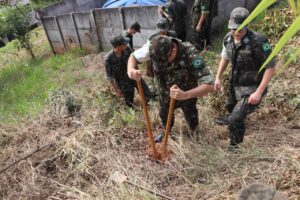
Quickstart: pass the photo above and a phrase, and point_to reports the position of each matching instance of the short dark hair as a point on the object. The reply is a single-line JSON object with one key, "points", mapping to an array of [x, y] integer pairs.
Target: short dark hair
{"points": [[136, 26]]}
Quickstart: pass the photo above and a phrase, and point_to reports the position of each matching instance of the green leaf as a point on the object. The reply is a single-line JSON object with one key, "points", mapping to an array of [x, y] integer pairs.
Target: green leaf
{"points": [[263, 5], [293, 6], [292, 30], [288, 61]]}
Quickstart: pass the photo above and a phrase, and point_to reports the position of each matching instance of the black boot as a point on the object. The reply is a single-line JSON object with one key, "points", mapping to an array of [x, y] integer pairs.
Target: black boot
{"points": [[158, 138], [221, 121], [235, 140]]}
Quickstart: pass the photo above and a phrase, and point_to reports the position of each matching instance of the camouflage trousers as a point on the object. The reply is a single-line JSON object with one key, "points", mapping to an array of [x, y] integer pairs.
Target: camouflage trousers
{"points": [[179, 28], [236, 120], [128, 92], [202, 38], [189, 109]]}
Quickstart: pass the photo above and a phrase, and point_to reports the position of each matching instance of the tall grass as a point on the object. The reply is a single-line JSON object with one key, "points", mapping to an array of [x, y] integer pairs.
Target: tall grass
{"points": [[24, 86]]}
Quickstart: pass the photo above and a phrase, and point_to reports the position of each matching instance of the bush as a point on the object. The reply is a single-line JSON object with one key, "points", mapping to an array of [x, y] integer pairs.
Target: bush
{"points": [[14, 22]]}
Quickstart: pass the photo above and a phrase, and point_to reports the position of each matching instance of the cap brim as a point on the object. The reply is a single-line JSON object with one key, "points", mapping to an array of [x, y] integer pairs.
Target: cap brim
{"points": [[161, 29], [233, 25]]}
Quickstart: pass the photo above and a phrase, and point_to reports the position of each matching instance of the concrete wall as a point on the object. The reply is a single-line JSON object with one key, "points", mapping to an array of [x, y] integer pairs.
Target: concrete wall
{"points": [[69, 31], [100, 25], [86, 31], [69, 6], [53, 33]]}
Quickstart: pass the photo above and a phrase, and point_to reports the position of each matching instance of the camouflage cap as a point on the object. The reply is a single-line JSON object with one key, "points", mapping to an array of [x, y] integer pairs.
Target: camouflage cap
{"points": [[119, 40], [162, 24], [160, 48], [136, 26], [259, 191], [237, 17]]}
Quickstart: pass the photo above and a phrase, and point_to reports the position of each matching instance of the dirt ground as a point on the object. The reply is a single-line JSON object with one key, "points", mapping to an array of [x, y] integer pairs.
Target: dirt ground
{"points": [[74, 156]]}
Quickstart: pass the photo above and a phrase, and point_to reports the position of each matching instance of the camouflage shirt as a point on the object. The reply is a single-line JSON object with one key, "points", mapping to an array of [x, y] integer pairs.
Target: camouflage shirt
{"points": [[203, 7], [247, 57], [187, 71], [116, 68], [176, 10]]}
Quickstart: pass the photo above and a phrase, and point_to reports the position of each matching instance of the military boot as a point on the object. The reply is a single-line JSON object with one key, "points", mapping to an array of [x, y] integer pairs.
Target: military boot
{"points": [[221, 121], [158, 138]]}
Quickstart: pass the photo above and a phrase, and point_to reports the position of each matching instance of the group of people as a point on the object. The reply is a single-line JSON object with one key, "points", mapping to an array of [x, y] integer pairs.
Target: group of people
{"points": [[179, 71]]}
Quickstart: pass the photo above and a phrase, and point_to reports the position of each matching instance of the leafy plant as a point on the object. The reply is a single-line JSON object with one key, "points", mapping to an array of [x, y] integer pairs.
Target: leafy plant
{"points": [[15, 21], [290, 32]]}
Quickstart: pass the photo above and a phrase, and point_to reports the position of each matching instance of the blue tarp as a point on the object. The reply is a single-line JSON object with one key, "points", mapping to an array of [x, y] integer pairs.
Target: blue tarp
{"points": [[124, 3]]}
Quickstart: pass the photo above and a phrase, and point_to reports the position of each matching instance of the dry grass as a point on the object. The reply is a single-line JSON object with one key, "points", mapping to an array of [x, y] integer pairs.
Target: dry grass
{"points": [[106, 137]]}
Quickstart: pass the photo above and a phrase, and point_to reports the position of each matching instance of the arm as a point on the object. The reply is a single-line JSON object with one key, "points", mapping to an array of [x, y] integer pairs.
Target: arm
{"points": [[114, 88], [201, 21], [262, 52], [222, 66], [256, 96], [204, 13], [201, 90], [138, 56], [132, 70]]}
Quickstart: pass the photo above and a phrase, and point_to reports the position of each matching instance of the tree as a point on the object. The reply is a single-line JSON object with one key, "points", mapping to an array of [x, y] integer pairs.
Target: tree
{"points": [[14, 21]]}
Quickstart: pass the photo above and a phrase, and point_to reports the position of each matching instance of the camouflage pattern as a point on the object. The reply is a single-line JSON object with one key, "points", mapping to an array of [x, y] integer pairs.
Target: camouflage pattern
{"points": [[237, 17], [187, 71], [236, 120], [257, 191], [116, 69], [150, 72], [202, 38], [246, 58], [176, 11]]}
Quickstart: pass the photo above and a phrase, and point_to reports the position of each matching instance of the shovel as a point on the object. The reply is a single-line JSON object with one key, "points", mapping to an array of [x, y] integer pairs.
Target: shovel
{"points": [[167, 131], [118, 177], [149, 132]]}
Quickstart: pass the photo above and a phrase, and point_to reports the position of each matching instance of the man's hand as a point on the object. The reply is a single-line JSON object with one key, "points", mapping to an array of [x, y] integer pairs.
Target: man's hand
{"points": [[217, 86], [177, 93], [198, 28], [254, 98], [134, 74], [118, 93]]}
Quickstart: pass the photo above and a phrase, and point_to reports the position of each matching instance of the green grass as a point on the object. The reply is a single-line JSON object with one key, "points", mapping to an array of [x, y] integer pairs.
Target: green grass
{"points": [[25, 86]]}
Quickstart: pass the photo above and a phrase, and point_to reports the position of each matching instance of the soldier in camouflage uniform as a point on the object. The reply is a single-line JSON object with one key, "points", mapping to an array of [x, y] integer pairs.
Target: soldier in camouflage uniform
{"points": [[203, 12], [178, 69], [162, 28], [247, 51], [175, 11], [116, 71]]}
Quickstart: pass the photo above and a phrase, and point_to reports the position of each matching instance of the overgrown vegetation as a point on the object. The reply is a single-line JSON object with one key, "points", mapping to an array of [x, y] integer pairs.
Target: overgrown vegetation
{"points": [[38, 4], [105, 136], [15, 22]]}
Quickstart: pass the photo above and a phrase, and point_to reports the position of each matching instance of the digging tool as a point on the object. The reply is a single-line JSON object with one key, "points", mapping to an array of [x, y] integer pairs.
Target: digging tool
{"points": [[167, 131], [118, 177], [149, 132]]}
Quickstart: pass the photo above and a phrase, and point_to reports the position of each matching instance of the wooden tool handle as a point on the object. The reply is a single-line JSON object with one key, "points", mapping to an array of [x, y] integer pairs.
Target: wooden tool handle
{"points": [[149, 132]]}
